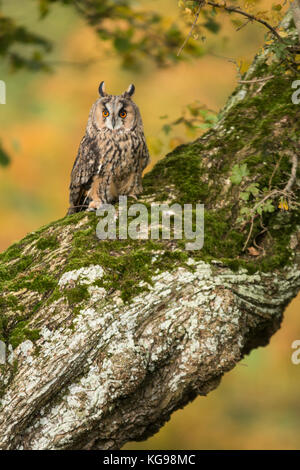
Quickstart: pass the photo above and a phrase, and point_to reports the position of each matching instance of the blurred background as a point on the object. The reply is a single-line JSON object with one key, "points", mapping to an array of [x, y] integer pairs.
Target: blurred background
{"points": [[257, 405]]}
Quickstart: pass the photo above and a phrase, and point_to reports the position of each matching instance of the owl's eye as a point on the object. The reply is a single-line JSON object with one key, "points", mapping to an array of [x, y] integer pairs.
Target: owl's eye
{"points": [[122, 114], [105, 113]]}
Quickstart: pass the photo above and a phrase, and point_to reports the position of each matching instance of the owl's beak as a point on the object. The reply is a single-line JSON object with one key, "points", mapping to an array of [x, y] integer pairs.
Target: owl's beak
{"points": [[113, 121]]}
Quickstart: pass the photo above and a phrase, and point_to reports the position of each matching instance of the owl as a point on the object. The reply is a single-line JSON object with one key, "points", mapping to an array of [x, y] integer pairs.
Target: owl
{"points": [[112, 155]]}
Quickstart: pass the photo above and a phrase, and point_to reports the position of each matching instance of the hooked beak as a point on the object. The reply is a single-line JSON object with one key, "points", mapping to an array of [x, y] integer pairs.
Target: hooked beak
{"points": [[113, 121]]}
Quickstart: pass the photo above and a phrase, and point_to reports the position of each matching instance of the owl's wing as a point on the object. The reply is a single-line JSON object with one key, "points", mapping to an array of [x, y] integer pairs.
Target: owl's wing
{"points": [[144, 153], [82, 172]]}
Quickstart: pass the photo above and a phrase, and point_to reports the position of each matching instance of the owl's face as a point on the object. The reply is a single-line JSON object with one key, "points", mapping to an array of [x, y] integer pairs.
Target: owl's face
{"points": [[116, 112]]}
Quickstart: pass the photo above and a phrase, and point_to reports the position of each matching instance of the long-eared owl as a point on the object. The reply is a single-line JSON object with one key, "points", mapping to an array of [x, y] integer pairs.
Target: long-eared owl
{"points": [[112, 155]]}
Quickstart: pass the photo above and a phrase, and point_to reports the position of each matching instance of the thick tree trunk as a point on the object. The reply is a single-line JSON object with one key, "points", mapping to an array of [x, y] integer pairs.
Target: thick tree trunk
{"points": [[105, 339]]}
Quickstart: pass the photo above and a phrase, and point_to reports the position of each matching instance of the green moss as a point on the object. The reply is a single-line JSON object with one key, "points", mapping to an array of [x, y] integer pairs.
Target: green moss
{"points": [[12, 369], [22, 333], [125, 262], [10, 302], [11, 253], [3, 327], [34, 281], [55, 295], [8, 272], [42, 283], [71, 219], [77, 294], [182, 168], [47, 242], [37, 306]]}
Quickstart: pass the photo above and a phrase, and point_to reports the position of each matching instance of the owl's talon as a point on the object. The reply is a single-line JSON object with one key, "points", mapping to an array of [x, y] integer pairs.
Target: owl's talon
{"points": [[133, 196], [95, 205]]}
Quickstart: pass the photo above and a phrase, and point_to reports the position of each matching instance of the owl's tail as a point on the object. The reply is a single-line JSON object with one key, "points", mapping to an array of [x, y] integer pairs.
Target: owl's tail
{"points": [[71, 210]]}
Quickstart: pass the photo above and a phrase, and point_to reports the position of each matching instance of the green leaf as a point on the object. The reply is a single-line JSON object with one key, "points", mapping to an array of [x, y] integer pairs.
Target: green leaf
{"points": [[245, 210], [238, 173], [253, 189], [212, 26], [268, 206], [4, 157], [204, 126], [44, 7], [122, 44], [166, 128], [245, 196]]}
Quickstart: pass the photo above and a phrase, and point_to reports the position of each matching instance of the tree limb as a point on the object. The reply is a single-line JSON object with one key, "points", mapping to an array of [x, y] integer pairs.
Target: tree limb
{"points": [[231, 9], [201, 3]]}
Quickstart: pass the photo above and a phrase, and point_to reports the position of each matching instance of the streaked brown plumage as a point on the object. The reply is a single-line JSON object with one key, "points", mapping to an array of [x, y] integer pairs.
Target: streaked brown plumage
{"points": [[112, 155]]}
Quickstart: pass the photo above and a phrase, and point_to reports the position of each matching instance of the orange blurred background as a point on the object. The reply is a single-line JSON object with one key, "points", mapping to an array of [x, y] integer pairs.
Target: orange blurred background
{"points": [[257, 404]]}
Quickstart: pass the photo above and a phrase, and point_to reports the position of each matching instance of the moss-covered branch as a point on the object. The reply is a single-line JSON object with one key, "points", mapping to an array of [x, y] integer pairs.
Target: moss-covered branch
{"points": [[106, 339]]}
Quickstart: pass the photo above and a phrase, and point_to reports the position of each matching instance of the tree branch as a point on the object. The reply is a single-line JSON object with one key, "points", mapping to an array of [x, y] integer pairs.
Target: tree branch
{"points": [[293, 176], [201, 3], [257, 80], [231, 9]]}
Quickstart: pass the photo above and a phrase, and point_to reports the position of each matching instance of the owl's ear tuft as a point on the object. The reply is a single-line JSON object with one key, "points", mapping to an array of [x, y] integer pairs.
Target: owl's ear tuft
{"points": [[102, 89], [130, 90]]}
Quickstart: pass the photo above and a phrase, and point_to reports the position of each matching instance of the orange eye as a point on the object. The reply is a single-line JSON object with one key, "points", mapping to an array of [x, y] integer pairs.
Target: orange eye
{"points": [[122, 114], [105, 113]]}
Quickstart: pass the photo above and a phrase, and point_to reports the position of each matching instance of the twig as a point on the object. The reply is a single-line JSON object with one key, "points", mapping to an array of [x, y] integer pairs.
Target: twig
{"points": [[256, 80], [249, 234], [254, 241], [243, 25], [274, 171], [201, 3], [271, 194], [80, 205], [247, 15], [72, 63], [292, 179]]}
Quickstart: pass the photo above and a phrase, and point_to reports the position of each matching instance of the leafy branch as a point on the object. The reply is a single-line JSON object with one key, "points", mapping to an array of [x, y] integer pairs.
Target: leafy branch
{"points": [[201, 3], [195, 117], [12, 35], [249, 16], [4, 157], [194, 8], [264, 199]]}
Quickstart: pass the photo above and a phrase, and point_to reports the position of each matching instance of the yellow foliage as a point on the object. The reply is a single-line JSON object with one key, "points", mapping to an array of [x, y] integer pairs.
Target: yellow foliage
{"points": [[283, 205], [243, 65]]}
